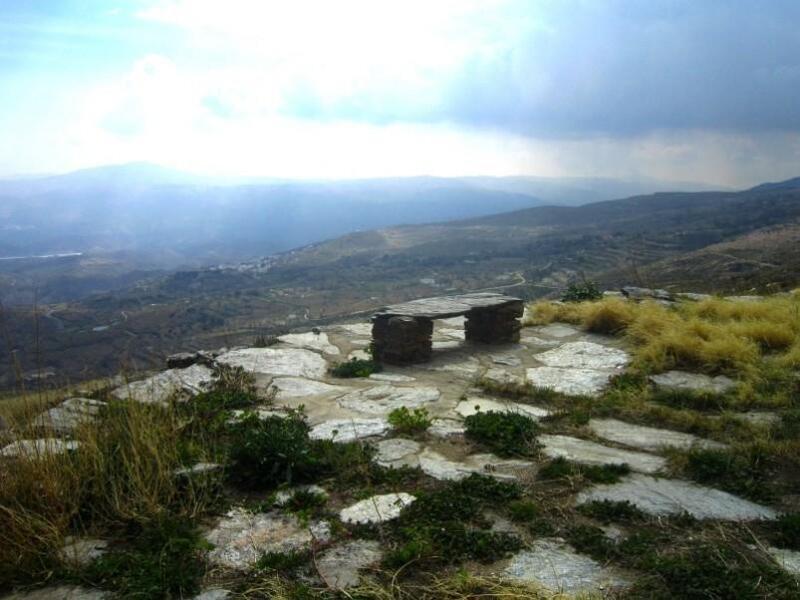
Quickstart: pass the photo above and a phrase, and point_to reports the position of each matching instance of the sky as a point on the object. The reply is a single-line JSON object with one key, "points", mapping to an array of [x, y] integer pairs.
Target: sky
{"points": [[683, 90]]}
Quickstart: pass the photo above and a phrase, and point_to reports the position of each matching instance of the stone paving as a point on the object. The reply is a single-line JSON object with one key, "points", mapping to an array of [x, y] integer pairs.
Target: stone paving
{"points": [[557, 356]]}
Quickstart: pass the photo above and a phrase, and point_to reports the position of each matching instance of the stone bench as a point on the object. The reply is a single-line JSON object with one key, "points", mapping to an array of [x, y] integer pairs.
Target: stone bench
{"points": [[401, 333]]}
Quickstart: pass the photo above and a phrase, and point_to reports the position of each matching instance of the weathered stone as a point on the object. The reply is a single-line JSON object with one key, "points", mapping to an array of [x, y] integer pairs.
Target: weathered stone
{"points": [[174, 383], [391, 377], [759, 417], [348, 430], [359, 355], [283, 497], [537, 342], [590, 453], [300, 387], [242, 537], [401, 340], [310, 341], [695, 382], [291, 362], [494, 325], [364, 329], [662, 497], [83, 551], [61, 592], [648, 438], [70, 414], [692, 296], [339, 566], [584, 355], [448, 345], [502, 377], [453, 322], [558, 568], [572, 382], [381, 400], [446, 427], [445, 307], [376, 509], [788, 560], [38, 448], [467, 366], [454, 334], [397, 452], [437, 466], [181, 360], [640, 293], [557, 330], [473, 405], [509, 360], [215, 594], [201, 468]]}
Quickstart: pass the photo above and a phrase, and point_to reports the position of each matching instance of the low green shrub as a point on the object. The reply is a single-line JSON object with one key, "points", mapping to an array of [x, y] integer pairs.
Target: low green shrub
{"points": [[356, 367], [523, 511], [282, 561], [591, 540], [609, 511], [692, 399], [409, 422], [561, 468], [580, 292], [743, 471], [507, 434]]}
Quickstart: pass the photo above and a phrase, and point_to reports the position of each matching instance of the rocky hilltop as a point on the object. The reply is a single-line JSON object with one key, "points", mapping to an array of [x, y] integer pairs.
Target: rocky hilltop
{"points": [[571, 462]]}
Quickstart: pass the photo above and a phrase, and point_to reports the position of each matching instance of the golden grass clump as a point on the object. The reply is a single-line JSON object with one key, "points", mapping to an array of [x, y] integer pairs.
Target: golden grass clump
{"points": [[714, 335]]}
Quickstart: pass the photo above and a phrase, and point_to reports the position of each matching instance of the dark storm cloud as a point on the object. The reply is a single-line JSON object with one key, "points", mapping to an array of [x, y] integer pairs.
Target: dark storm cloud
{"points": [[613, 68]]}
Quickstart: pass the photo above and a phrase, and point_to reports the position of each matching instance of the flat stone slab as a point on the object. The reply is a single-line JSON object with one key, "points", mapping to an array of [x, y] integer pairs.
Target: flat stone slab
{"points": [[556, 566], [467, 366], [454, 322], [290, 362], [508, 360], [590, 453], [376, 509], [349, 430], [439, 467], [471, 406], [693, 382], [446, 427], [662, 497], [283, 497], [242, 537], [648, 438], [444, 307], [363, 329], [200, 468], [454, 334], [533, 340], [215, 594], [381, 400], [300, 387], [391, 377], [572, 382], [359, 355], [584, 355], [557, 330], [70, 414], [788, 560], [446, 345], [502, 377], [83, 551], [339, 566], [310, 341], [172, 383], [61, 592], [38, 448], [397, 452]]}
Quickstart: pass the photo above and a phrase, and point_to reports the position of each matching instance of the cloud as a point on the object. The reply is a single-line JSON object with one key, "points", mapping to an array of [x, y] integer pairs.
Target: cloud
{"points": [[547, 68]]}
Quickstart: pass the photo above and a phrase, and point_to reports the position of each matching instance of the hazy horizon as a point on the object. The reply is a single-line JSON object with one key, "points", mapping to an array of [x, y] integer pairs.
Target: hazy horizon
{"points": [[667, 90]]}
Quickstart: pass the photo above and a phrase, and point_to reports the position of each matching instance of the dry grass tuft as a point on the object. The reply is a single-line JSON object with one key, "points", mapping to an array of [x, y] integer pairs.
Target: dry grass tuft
{"points": [[714, 335]]}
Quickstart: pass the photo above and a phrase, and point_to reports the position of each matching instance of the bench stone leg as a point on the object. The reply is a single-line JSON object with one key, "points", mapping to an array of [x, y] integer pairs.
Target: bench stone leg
{"points": [[494, 325], [401, 340]]}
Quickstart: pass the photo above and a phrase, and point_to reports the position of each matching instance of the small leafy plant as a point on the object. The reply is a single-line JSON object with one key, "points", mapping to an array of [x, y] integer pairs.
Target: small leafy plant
{"points": [[580, 292], [506, 433], [356, 367], [409, 422], [561, 468]]}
